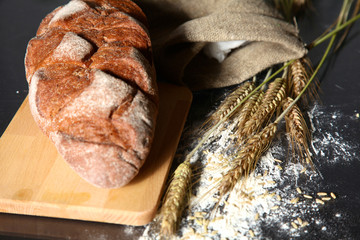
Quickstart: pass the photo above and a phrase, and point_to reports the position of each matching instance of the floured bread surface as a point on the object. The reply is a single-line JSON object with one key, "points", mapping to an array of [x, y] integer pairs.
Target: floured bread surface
{"points": [[92, 88]]}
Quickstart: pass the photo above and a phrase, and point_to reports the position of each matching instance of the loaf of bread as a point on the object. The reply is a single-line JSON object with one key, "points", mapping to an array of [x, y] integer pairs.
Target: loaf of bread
{"points": [[92, 87]]}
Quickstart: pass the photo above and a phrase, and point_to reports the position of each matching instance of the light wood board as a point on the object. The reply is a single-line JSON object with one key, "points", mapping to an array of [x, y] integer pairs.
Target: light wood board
{"points": [[35, 180]]}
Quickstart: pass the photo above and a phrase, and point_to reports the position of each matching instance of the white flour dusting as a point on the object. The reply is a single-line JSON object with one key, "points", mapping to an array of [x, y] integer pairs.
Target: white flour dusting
{"points": [[69, 9], [333, 145], [72, 48], [279, 200]]}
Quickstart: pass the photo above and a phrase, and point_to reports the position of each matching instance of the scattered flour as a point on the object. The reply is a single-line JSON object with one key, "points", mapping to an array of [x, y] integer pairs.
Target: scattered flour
{"points": [[277, 201], [334, 145]]}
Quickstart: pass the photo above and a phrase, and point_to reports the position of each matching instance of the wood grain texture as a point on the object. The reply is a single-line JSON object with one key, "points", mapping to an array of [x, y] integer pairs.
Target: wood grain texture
{"points": [[35, 180]]}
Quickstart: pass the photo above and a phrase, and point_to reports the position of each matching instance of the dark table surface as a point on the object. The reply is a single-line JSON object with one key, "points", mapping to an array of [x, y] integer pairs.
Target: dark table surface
{"points": [[340, 98]]}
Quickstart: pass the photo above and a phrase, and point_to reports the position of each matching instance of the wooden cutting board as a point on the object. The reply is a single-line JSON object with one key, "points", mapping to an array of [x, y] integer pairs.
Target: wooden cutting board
{"points": [[35, 180]]}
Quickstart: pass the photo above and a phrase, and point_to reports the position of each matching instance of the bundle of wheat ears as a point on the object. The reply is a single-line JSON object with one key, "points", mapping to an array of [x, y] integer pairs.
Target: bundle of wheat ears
{"points": [[256, 110]]}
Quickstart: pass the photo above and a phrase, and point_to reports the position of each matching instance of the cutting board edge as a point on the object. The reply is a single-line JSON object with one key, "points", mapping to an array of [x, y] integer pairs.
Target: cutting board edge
{"points": [[64, 211]]}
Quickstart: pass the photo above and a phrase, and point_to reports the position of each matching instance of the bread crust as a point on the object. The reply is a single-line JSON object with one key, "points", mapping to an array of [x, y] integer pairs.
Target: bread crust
{"points": [[92, 88]]}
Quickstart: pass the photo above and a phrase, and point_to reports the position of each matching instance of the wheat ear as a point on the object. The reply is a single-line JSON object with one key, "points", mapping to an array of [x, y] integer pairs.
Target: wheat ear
{"points": [[228, 105], [274, 95], [247, 158], [298, 76], [175, 199], [249, 109], [297, 129]]}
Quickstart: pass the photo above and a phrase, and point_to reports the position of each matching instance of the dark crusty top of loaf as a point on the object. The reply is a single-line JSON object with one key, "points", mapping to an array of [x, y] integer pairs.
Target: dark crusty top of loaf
{"points": [[92, 87]]}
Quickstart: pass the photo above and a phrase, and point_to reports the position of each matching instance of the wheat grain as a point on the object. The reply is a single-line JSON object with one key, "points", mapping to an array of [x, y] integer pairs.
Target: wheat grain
{"points": [[205, 225], [304, 224], [307, 196], [251, 232], [274, 207], [175, 199], [198, 221], [294, 200], [300, 221], [333, 195], [321, 193], [294, 225], [272, 194]]}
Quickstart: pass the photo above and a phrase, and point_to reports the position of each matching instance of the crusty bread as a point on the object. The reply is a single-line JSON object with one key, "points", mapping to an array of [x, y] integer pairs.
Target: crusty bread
{"points": [[92, 87]]}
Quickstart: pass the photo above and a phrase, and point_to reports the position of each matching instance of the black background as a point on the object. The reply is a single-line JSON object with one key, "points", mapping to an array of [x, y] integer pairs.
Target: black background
{"points": [[340, 86]]}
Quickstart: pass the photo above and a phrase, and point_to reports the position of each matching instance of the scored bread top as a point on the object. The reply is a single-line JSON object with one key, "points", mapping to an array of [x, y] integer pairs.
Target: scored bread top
{"points": [[92, 87]]}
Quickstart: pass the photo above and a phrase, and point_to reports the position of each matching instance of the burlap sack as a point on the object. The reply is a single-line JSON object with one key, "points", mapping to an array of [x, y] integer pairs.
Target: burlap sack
{"points": [[181, 28]]}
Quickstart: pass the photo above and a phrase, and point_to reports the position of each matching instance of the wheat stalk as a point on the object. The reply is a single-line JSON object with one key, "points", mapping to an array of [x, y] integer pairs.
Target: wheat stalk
{"points": [[291, 8], [339, 26], [356, 11], [272, 99], [175, 199], [246, 159]]}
